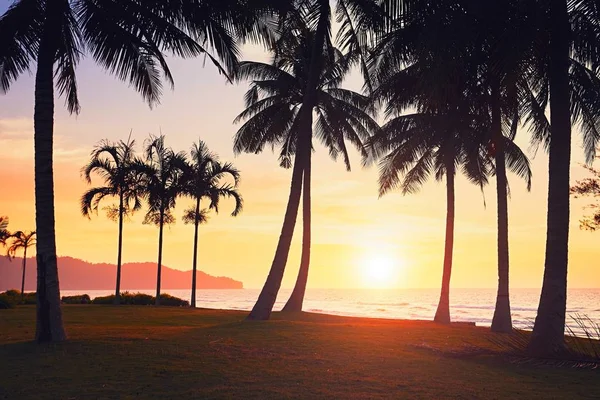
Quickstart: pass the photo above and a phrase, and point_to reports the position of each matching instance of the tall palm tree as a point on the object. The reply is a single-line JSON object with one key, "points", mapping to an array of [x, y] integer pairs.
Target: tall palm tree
{"points": [[121, 171], [276, 115], [162, 185], [21, 240], [414, 146], [127, 38], [202, 177], [572, 54], [4, 233]]}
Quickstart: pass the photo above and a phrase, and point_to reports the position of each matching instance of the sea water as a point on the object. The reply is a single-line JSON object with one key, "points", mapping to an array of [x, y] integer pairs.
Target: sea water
{"points": [[471, 305]]}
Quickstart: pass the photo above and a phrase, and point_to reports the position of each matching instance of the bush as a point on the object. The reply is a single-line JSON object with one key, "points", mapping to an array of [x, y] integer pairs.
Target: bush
{"points": [[172, 301], [7, 301], [141, 299], [13, 296], [104, 300], [30, 298], [80, 299]]}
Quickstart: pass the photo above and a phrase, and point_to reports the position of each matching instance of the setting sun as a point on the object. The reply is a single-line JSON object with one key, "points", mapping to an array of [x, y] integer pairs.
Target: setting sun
{"points": [[380, 270]]}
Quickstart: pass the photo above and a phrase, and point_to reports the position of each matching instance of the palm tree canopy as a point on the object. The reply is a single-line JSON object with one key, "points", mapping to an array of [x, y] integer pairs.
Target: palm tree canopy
{"points": [[4, 233], [190, 216], [276, 95], [127, 38], [122, 172], [20, 240], [202, 177], [162, 181]]}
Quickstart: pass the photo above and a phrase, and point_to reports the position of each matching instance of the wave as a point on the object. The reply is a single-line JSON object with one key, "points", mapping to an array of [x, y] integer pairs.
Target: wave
{"points": [[363, 303]]}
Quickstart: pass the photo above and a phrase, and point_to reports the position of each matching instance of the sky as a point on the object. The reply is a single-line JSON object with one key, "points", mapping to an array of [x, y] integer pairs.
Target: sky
{"points": [[359, 240]]}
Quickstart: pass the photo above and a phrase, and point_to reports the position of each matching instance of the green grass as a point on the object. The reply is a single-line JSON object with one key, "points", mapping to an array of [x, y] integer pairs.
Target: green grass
{"points": [[131, 352]]}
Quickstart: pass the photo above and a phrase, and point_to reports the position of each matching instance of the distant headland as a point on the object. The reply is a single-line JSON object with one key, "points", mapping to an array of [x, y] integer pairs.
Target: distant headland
{"points": [[75, 274]]}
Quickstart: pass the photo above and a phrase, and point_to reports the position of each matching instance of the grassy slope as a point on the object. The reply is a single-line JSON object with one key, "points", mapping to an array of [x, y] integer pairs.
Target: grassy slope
{"points": [[145, 352]]}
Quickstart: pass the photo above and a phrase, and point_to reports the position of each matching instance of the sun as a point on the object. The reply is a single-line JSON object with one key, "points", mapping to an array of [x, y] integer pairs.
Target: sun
{"points": [[380, 270]]}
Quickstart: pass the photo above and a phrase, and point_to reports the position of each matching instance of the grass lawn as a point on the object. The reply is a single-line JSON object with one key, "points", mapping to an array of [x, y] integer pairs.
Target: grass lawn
{"points": [[175, 353]]}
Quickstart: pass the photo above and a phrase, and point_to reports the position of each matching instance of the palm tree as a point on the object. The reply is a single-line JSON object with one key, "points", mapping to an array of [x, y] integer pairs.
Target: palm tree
{"points": [[21, 240], [161, 185], [414, 146], [4, 233], [202, 179], [127, 38], [572, 46], [121, 171], [276, 114]]}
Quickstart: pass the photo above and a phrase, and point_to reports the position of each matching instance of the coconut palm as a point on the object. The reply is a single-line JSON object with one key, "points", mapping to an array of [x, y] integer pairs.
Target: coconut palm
{"points": [[21, 240], [161, 185], [121, 171], [276, 115], [202, 177], [572, 86], [127, 38], [4, 233]]}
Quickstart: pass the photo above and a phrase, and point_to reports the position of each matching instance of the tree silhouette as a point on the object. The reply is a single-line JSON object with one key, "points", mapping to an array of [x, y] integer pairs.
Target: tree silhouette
{"points": [[161, 185], [570, 43], [122, 172], [589, 187], [202, 176], [4, 233], [21, 240], [127, 38], [274, 105]]}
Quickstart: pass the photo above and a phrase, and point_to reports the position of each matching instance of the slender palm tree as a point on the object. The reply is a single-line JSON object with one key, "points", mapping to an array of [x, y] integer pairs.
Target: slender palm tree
{"points": [[127, 38], [572, 48], [202, 179], [121, 171], [414, 146], [4, 233], [275, 115], [21, 240], [161, 185]]}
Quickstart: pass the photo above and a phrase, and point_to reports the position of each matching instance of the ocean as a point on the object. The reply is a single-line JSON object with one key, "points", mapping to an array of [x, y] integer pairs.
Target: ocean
{"points": [[470, 305]]}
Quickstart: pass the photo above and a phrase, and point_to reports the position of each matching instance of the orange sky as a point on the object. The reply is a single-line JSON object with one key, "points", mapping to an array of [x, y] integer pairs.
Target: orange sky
{"points": [[350, 224]]}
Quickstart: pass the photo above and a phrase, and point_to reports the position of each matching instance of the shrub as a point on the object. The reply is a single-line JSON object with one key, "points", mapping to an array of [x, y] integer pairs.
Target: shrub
{"points": [[80, 299], [104, 299], [30, 298], [141, 299], [14, 297], [168, 300], [7, 301]]}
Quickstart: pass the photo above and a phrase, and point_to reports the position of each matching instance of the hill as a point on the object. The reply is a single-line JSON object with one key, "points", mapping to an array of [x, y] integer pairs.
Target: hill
{"points": [[75, 274]]}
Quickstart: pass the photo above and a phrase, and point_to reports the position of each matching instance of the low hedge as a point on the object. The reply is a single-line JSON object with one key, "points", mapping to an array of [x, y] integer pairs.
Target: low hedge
{"points": [[80, 299], [141, 299], [12, 297]]}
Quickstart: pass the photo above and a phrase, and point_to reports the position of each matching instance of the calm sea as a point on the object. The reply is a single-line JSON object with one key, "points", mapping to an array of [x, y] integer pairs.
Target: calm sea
{"points": [[473, 305]]}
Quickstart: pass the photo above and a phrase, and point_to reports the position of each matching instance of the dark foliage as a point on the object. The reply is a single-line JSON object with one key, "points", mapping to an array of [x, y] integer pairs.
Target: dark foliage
{"points": [[141, 299], [79, 299]]}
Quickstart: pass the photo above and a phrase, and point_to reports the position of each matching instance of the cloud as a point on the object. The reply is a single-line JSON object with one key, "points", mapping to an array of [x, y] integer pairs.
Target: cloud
{"points": [[16, 142]]}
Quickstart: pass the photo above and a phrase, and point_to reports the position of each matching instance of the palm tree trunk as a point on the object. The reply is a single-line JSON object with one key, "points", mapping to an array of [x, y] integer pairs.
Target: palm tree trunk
{"points": [[23, 279], [296, 300], [442, 315], [502, 321], [119, 251], [49, 324], [264, 305], [547, 338], [159, 265], [195, 257]]}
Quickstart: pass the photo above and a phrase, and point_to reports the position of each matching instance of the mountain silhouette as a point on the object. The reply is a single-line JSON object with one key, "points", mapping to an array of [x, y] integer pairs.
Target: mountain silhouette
{"points": [[75, 274]]}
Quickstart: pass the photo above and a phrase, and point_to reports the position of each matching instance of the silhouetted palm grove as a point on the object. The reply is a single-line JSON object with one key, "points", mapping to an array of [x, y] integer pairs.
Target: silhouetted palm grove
{"points": [[158, 179], [454, 80]]}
